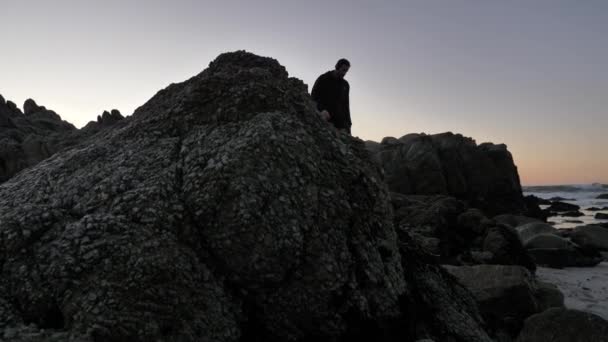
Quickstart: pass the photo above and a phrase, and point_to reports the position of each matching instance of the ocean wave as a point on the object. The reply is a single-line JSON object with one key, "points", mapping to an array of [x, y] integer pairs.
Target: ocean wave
{"points": [[595, 187]]}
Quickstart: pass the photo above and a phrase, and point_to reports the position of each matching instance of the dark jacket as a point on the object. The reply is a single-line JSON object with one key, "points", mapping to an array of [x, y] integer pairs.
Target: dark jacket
{"points": [[331, 94]]}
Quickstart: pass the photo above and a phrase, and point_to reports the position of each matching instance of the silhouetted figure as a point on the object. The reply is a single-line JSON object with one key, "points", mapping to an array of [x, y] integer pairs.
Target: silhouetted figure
{"points": [[330, 92]]}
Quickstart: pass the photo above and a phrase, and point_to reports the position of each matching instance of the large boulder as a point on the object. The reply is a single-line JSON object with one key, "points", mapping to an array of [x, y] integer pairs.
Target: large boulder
{"points": [[530, 230], [547, 247], [506, 248], [506, 294], [224, 209], [564, 325], [591, 237], [449, 164]]}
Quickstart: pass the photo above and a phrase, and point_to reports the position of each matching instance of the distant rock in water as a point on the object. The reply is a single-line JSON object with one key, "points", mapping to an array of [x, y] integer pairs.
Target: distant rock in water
{"points": [[563, 206], [224, 209], [450, 164], [601, 216], [602, 196], [557, 198]]}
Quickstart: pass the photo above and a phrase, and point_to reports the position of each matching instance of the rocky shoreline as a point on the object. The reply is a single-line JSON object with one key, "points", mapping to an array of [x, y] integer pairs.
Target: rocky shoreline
{"points": [[225, 209]]}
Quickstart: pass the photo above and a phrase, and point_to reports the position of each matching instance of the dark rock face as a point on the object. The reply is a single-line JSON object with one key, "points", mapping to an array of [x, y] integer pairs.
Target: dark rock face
{"points": [[602, 196], [601, 216], [563, 325], [225, 209], [450, 164]]}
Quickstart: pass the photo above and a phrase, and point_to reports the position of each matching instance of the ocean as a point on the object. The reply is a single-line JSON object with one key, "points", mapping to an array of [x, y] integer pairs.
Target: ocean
{"points": [[583, 195]]}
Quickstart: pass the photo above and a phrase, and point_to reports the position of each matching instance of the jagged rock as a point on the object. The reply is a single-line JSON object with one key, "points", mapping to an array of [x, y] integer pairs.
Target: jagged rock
{"points": [[224, 209], [564, 325], [30, 107], [27, 140], [449, 164], [602, 196]]}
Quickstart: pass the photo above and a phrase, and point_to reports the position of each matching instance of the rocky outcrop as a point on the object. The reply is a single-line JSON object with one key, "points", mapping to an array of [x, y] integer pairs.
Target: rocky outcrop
{"points": [[602, 196], [105, 120], [456, 234], [36, 134], [564, 325], [449, 164], [225, 209], [506, 295], [26, 139]]}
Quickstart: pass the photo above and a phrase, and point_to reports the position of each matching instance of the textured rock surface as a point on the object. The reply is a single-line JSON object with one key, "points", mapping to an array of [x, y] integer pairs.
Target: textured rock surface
{"points": [[562, 325], [506, 294], [224, 209], [449, 164]]}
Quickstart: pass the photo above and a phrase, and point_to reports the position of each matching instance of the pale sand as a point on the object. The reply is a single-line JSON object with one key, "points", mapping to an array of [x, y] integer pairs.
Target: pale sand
{"points": [[584, 288]]}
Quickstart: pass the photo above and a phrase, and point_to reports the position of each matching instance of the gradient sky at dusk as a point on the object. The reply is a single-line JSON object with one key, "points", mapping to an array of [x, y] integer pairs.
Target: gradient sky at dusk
{"points": [[532, 74]]}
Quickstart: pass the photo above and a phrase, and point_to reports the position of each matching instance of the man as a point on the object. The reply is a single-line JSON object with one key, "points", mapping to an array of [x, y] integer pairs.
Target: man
{"points": [[330, 93]]}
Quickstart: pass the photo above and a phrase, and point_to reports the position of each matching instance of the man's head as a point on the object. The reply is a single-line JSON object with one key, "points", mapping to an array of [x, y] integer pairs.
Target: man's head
{"points": [[342, 67]]}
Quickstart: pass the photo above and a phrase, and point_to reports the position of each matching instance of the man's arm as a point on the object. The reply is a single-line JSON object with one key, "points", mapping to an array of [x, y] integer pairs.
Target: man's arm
{"points": [[347, 111]]}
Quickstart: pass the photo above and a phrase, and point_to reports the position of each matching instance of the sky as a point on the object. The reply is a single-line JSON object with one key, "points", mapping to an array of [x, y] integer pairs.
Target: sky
{"points": [[532, 74]]}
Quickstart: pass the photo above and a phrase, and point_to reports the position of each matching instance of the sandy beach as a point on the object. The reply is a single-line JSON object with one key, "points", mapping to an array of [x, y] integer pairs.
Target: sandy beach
{"points": [[584, 288]]}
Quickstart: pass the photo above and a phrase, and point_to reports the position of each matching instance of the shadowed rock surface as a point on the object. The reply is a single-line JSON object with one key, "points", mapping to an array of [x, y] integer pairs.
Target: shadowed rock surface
{"points": [[449, 164], [563, 325], [224, 209]]}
